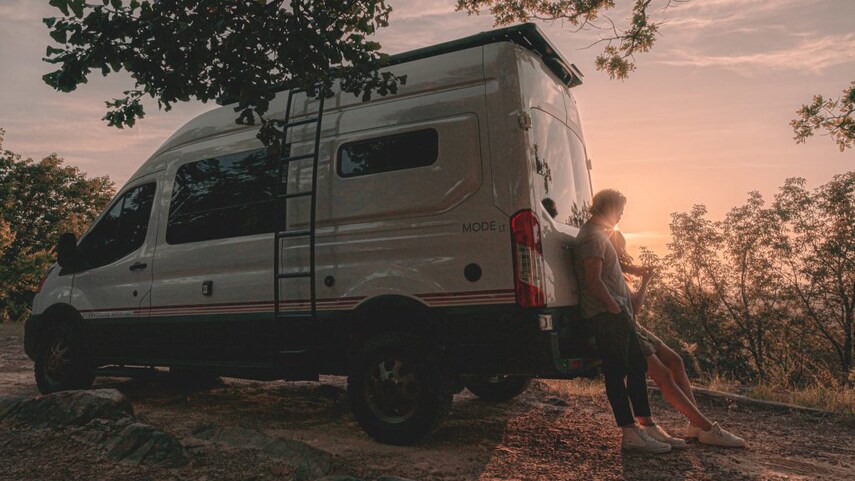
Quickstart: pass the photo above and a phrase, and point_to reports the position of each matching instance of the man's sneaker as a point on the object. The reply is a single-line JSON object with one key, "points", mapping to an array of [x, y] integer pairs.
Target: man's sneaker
{"points": [[637, 440], [656, 432], [719, 437]]}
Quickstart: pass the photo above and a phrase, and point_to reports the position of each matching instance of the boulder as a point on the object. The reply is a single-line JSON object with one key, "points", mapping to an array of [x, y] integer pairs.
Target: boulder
{"points": [[142, 444], [99, 417], [68, 408], [300, 456]]}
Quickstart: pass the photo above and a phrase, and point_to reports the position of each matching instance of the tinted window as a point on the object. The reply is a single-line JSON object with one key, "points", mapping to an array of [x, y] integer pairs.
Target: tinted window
{"points": [[384, 154], [560, 165], [222, 197], [121, 230]]}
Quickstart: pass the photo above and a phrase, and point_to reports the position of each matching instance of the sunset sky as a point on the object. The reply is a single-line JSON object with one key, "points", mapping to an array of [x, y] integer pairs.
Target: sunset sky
{"points": [[703, 120]]}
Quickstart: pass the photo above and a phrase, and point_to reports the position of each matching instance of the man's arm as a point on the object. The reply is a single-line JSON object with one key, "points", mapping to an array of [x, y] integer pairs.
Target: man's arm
{"points": [[593, 268]]}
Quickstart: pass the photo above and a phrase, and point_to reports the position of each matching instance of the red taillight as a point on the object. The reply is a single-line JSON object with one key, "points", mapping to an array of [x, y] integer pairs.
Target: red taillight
{"points": [[528, 260]]}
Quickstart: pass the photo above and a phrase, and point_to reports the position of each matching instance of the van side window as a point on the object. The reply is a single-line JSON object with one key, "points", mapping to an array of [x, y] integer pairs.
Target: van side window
{"points": [[121, 230], [221, 197], [393, 152]]}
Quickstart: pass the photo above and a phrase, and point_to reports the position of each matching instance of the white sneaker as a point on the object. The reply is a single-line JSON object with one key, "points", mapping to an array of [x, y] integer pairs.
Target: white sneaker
{"points": [[635, 439], [719, 437], [656, 432]]}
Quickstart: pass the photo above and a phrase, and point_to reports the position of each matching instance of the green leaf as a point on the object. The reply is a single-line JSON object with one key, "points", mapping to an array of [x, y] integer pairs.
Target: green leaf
{"points": [[77, 7], [62, 5], [60, 35], [53, 51], [49, 21]]}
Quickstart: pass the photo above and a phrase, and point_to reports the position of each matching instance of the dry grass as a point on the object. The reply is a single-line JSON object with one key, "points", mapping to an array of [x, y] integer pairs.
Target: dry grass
{"points": [[838, 400], [828, 398], [575, 387]]}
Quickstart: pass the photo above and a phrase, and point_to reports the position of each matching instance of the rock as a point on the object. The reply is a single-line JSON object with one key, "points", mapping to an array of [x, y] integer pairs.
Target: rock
{"points": [[99, 417], [311, 461], [9, 403], [393, 478], [143, 444], [555, 401], [337, 477], [69, 408]]}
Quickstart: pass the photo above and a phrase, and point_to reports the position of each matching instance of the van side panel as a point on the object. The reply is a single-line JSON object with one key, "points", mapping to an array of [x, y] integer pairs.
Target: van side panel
{"points": [[233, 321]]}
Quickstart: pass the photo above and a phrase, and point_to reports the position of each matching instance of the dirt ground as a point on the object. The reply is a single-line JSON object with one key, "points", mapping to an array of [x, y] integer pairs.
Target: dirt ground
{"points": [[555, 431]]}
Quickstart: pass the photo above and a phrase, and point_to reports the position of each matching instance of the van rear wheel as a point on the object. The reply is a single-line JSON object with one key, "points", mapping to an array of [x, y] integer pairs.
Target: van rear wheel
{"points": [[59, 364], [398, 391], [498, 388]]}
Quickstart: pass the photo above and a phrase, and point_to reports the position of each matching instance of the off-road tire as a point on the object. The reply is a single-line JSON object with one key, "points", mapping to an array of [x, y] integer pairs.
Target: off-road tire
{"points": [[415, 383], [499, 388], [60, 364]]}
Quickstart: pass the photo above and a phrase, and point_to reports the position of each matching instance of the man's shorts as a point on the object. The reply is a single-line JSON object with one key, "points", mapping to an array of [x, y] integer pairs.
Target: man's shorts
{"points": [[650, 344]]}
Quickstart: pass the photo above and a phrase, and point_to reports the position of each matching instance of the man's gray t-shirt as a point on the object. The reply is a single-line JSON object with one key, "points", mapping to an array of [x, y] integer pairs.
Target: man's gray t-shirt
{"points": [[593, 241]]}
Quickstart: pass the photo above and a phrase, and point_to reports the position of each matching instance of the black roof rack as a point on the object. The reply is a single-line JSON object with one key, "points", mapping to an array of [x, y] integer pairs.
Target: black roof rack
{"points": [[526, 35]]}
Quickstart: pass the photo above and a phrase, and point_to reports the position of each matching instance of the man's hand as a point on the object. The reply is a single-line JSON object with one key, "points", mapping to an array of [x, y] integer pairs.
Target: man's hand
{"points": [[615, 309]]}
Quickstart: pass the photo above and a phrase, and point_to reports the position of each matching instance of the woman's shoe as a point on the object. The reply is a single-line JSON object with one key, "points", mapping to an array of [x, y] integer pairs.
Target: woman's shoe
{"points": [[719, 437]]}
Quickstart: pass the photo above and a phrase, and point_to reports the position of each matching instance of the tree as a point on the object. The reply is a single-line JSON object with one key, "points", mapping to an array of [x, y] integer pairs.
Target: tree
{"points": [[241, 50], [245, 51], [618, 57], [819, 251], [834, 116], [39, 201]]}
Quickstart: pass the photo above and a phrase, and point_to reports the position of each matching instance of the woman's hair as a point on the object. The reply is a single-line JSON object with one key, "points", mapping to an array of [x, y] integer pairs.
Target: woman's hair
{"points": [[604, 199], [619, 243]]}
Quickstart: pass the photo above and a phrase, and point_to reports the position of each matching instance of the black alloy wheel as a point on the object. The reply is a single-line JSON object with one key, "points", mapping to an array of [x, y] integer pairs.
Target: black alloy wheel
{"points": [[398, 392], [59, 364]]}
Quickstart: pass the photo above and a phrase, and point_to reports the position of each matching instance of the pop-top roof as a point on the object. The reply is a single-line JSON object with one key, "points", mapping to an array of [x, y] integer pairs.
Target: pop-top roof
{"points": [[527, 35]]}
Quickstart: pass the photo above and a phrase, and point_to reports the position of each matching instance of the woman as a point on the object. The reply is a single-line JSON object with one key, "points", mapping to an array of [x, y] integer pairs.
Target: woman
{"points": [[666, 369]]}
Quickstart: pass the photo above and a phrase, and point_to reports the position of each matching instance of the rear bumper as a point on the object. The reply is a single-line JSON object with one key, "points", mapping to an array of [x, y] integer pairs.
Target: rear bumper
{"points": [[509, 340]]}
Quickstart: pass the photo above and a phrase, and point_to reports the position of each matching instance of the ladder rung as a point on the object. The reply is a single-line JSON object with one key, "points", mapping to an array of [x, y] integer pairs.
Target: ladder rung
{"points": [[298, 157], [294, 275], [295, 123], [293, 233], [295, 194]]}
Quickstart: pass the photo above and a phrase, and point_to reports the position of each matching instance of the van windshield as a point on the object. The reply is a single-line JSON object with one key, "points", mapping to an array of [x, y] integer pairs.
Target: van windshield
{"points": [[562, 180]]}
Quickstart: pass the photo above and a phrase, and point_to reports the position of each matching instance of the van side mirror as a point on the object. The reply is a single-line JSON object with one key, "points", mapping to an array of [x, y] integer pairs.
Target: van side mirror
{"points": [[66, 250]]}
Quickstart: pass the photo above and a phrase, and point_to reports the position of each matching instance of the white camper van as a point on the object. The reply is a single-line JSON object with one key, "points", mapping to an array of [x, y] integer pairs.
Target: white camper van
{"points": [[417, 243]]}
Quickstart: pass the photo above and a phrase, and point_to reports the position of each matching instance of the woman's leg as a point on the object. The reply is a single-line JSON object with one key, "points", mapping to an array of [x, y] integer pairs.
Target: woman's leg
{"points": [[674, 394], [674, 363]]}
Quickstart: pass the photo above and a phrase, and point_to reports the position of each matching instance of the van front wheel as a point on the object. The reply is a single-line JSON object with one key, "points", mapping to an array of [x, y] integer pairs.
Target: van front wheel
{"points": [[398, 391], [59, 363], [498, 388]]}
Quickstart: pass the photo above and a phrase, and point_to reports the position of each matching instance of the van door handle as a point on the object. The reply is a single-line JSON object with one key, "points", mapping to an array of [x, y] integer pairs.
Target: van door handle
{"points": [[138, 266]]}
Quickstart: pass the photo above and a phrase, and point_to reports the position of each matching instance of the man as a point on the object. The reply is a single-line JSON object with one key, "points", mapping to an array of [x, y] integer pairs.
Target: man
{"points": [[606, 303]]}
